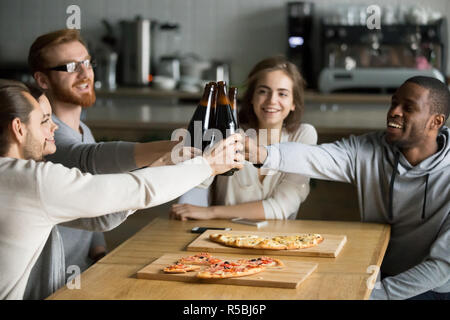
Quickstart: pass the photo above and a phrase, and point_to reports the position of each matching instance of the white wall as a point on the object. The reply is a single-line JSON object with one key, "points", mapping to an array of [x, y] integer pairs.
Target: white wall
{"points": [[240, 31]]}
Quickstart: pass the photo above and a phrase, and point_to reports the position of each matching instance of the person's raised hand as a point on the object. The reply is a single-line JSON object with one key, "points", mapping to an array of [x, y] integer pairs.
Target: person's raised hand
{"points": [[226, 154], [253, 152]]}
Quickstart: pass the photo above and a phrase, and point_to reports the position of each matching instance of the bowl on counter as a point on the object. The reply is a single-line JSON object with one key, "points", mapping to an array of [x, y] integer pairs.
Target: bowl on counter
{"points": [[190, 84], [164, 83]]}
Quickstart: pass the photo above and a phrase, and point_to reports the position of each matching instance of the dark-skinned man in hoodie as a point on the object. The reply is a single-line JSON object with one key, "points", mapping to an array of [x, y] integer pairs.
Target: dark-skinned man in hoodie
{"points": [[402, 177]]}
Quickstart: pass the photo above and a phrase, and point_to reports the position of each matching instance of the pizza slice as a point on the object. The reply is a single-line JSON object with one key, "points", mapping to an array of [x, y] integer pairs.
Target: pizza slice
{"points": [[239, 241], [271, 244], [180, 268], [249, 241], [302, 241], [264, 261], [203, 258], [290, 242], [230, 270]]}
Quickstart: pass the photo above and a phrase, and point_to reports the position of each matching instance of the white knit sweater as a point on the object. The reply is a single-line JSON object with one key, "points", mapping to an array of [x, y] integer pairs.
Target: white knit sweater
{"points": [[35, 196]]}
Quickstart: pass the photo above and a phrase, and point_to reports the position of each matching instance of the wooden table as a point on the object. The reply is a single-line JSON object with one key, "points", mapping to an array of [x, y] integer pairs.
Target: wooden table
{"points": [[344, 277]]}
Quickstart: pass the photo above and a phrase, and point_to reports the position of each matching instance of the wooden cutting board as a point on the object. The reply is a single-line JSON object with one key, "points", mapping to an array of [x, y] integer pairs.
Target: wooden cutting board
{"points": [[289, 276], [330, 247]]}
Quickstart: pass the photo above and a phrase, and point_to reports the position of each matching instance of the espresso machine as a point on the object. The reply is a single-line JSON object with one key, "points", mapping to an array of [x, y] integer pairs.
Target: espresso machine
{"points": [[356, 58], [300, 17]]}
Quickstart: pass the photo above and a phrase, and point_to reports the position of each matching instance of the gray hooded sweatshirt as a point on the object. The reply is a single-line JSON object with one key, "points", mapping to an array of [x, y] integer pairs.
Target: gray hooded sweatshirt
{"points": [[414, 200]]}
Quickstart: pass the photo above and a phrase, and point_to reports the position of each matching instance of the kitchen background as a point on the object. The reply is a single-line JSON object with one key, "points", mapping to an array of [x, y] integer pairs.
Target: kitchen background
{"points": [[230, 37], [237, 31]]}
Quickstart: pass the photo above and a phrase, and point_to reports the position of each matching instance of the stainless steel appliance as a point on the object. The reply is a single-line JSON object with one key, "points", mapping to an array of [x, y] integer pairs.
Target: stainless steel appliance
{"points": [[166, 65], [105, 74], [196, 72], [358, 58], [106, 56], [135, 54], [370, 79], [169, 67], [219, 71], [166, 42]]}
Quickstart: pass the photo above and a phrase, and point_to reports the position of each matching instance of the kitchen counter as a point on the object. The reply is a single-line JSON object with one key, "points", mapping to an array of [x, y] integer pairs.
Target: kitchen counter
{"points": [[145, 92], [344, 277], [322, 112], [310, 95]]}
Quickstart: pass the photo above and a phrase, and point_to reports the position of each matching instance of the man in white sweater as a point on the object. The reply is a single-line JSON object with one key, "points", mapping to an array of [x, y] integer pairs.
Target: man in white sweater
{"points": [[37, 195]]}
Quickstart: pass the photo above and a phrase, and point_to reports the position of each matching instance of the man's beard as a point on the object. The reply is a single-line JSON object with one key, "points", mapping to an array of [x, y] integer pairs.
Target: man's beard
{"points": [[415, 138], [32, 149], [68, 96]]}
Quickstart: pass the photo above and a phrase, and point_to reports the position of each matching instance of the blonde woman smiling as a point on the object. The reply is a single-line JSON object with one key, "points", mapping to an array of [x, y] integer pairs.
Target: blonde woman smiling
{"points": [[272, 105]]}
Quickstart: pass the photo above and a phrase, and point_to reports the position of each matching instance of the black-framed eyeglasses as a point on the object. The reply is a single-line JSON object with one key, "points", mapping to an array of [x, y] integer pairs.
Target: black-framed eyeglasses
{"points": [[75, 66]]}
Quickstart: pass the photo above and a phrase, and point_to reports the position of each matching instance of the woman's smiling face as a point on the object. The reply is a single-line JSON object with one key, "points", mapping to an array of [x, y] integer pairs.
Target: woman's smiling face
{"points": [[273, 99]]}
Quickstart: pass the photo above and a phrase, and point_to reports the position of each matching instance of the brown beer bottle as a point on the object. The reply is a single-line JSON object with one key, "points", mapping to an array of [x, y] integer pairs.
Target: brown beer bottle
{"points": [[224, 119], [200, 121], [208, 136], [212, 114], [232, 96]]}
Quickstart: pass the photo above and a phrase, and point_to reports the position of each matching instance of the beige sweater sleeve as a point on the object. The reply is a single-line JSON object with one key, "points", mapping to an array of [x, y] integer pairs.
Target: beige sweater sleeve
{"points": [[68, 194]]}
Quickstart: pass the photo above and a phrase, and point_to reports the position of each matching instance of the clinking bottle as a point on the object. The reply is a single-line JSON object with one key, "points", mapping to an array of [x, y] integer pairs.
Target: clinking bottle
{"points": [[232, 96], [224, 120], [208, 136], [201, 120]]}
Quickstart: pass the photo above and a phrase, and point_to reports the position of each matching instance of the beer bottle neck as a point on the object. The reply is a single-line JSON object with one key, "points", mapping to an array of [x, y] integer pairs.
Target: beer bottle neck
{"points": [[205, 97]]}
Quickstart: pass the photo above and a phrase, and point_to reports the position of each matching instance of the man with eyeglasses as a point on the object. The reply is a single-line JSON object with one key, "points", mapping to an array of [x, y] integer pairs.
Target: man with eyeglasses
{"points": [[74, 66], [62, 67]]}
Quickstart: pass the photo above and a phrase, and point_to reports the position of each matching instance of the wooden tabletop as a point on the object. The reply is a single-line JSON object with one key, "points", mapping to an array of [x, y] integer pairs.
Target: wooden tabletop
{"points": [[344, 277]]}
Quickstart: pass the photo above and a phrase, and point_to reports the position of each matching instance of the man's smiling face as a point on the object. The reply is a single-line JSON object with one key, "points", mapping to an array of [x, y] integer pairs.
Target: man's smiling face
{"points": [[76, 87], [408, 117]]}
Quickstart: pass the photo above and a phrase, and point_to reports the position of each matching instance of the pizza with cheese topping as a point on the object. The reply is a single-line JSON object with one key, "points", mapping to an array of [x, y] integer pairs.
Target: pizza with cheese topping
{"points": [[300, 241], [210, 267], [264, 261], [180, 268], [231, 269], [203, 258]]}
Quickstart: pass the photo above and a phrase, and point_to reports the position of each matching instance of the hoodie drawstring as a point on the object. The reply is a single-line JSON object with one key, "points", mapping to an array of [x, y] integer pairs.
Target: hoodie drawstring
{"points": [[425, 196], [391, 190], [391, 186]]}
